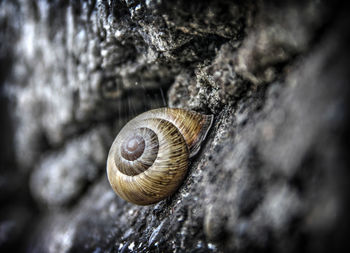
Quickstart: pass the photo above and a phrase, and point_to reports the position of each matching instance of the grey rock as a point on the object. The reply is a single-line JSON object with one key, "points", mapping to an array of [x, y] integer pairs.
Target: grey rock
{"points": [[272, 175], [61, 177]]}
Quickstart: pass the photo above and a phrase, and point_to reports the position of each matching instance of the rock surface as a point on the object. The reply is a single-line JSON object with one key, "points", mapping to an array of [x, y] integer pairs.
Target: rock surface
{"points": [[272, 175]]}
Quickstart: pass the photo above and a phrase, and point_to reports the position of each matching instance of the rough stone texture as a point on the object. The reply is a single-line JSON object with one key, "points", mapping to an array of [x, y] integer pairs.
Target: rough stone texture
{"points": [[272, 175], [61, 167]]}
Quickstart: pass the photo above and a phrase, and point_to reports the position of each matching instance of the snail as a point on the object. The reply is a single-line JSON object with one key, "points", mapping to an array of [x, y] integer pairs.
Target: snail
{"points": [[149, 157]]}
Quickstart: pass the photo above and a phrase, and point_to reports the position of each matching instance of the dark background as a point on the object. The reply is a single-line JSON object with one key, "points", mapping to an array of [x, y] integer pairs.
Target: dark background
{"points": [[273, 174]]}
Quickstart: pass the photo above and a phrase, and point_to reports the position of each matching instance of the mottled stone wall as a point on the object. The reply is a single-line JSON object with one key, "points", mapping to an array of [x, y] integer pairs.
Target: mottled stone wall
{"points": [[272, 175]]}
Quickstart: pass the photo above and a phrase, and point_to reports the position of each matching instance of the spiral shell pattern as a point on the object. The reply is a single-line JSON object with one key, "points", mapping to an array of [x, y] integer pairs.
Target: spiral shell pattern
{"points": [[149, 158]]}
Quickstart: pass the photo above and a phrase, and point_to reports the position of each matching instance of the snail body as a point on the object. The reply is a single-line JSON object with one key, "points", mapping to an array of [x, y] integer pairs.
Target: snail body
{"points": [[149, 157]]}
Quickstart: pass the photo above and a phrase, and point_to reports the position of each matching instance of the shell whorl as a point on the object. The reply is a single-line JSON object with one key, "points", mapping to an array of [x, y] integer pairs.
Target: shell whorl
{"points": [[149, 157]]}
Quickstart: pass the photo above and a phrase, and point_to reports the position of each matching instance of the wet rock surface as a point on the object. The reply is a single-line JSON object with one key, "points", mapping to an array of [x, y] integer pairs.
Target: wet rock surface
{"points": [[272, 175]]}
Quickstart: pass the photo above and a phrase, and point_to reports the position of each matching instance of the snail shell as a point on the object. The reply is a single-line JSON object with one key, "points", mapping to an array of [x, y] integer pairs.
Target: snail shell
{"points": [[149, 157]]}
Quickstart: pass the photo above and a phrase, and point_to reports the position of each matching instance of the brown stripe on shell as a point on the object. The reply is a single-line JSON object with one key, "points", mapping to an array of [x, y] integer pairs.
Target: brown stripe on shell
{"points": [[179, 134], [163, 177], [144, 161], [192, 125]]}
